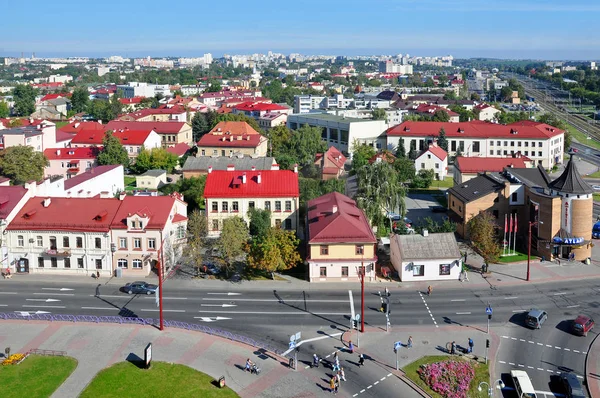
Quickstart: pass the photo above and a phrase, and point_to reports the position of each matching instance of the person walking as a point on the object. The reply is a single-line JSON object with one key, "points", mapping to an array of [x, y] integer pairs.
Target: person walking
{"points": [[315, 361], [471, 344], [338, 377], [336, 365], [429, 289], [336, 386], [453, 348], [342, 374], [409, 343], [351, 347], [332, 385], [361, 360]]}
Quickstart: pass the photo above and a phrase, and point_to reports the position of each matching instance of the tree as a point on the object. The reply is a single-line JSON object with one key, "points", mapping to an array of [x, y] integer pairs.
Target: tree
{"points": [[412, 153], [458, 153], [199, 126], [276, 251], [379, 114], [24, 98], [442, 141], [311, 188], [475, 97], [506, 93], [304, 144], [214, 87], [400, 150], [278, 137], [423, 179], [4, 111], [196, 233], [450, 95], [483, 232], [115, 107], [22, 164], [441, 115], [232, 242], [405, 169], [361, 155], [435, 227], [112, 151], [443, 80], [192, 190], [162, 159], [260, 222], [80, 99]]}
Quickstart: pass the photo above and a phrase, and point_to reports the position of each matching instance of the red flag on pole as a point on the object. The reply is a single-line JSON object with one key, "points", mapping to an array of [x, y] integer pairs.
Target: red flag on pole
{"points": [[510, 228], [505, 224], [515, 223]]}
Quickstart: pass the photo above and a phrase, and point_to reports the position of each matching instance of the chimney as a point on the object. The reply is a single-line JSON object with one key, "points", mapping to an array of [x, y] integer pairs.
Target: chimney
{"points": [[209, 169], [58, 152], [230, 167], [99, 121], [275, 167], [258, 178], [47, 202], [253, 168], [122, 196], [296, 168], [425, 233], [334, 209], [244, 178]]}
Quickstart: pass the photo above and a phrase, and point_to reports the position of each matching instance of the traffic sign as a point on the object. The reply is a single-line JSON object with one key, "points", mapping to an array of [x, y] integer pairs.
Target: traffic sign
{"points": [[357, 317], [292, 345], [298, 336], [488, 310]]}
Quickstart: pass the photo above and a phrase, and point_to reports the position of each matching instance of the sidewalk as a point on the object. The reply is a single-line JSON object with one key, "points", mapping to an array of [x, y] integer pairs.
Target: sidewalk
{"points": [[97, 346], [592, 369]]}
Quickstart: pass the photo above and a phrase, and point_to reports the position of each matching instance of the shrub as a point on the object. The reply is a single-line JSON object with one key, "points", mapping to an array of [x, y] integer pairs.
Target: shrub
{"points": [[450, 379]]}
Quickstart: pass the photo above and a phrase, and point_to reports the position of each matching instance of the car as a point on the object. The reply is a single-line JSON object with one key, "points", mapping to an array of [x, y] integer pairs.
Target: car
{"points": [[596, 187], [211, 268], [139, 287], [438, 209], [535, 318], [572, 385], [574, 150], [582, 325], [596, 230]]}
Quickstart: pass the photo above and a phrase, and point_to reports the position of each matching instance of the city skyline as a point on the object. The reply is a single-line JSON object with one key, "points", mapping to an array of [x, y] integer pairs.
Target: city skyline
{"points": [[508, 29]]}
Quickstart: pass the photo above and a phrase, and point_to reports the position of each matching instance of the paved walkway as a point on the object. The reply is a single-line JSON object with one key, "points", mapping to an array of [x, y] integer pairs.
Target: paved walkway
{"points": [[592, 369]]}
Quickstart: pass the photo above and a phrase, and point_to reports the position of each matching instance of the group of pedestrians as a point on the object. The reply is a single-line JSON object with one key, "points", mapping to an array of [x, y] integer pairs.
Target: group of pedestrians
{"points": [[339, 374]]}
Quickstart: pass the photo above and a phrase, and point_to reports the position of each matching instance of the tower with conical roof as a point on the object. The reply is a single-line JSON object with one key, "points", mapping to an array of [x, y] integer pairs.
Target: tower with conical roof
{"points": [[575, 232]]}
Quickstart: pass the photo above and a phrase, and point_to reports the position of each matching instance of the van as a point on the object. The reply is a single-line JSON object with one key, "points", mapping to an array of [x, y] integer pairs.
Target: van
{"points": [[522, 383], [596, 230], [535, 318]]}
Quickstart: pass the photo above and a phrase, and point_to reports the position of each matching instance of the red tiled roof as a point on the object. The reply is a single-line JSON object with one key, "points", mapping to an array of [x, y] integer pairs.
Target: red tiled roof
{"points": [[231, 134], [253, 106], [71, 153], [55, 96], [47, 85], [170, 127], [336, 157], [127, 101], [179, 149], [383, 156], [274, 183], [158, 208], [88, 175], [130, 137], [9, 198], [437, 151], [176, 110], [178, 218], [63, 136], [66, 214], [479, 165], [76, 127], [475, 129], [347, 224]]}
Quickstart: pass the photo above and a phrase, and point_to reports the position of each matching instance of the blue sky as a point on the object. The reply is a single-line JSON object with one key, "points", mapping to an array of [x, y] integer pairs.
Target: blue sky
{"points": [[549, 29]]}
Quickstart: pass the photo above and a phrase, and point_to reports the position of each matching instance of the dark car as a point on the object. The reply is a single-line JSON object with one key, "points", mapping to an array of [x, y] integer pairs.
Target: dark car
{"points": [[139, 288], [596, 230], [572, 385], [582, 325], [438, 209]]}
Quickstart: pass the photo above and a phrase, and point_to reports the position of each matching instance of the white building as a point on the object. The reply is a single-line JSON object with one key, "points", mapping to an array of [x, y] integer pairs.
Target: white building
{"points": [[434, 158], [103, 181], [307, 103], [414, 260]]}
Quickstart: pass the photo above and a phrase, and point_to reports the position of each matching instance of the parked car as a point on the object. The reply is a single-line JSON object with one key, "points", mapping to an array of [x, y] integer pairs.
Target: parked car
{"points": [[572, 385], [596, 230], [596, 187], [139, 288], [535, 318], [438, 209], [582, 325]]}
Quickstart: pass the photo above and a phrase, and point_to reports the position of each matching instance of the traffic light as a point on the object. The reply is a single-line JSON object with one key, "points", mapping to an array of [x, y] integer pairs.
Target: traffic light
{"points": [[490, 317], [487, 343]]}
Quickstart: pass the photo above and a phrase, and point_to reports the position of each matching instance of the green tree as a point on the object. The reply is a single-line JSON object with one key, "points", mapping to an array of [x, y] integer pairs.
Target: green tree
{"points": [[440, 116], [400, 149], [276, 251], [4, 111], [260, 222], [405, 169], [162, 159], [506, 93], [412, 153], [379, 114], [311, 188], [196, 233], [22, 164], [112, 151], [214, 87], [434, 227], [115, 107], [361, 155], [443, 80], [475, 97], [442, 141], [199, 126], [80, 99], [483, 232], [450, 95], [423, 179], [24, 98], [192, 190], [233, 240], [305, 143], [278, 136]]}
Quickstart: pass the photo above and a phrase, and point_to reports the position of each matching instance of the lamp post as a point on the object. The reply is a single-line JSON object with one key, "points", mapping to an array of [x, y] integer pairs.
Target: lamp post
{"points": [[361, 275], [531, 224]]}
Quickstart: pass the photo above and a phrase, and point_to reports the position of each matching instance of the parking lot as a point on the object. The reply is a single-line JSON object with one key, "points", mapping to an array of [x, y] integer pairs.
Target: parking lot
{"points": [[419, 206]]}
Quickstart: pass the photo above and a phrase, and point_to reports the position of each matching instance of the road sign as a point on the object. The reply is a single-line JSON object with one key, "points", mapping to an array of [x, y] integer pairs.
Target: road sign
{"points": [[488, 310], [298, 336], [292, 338], [292, 345]]}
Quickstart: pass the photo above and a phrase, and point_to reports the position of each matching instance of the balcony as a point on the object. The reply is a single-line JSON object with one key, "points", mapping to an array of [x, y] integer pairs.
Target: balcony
{"points": [[57, 253]]}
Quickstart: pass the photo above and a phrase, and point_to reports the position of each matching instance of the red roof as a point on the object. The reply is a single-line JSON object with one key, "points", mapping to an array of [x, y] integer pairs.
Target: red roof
{"points": [[261, 107], [71, 153], [176, 110], [88, 175], [48, 85], [435, 150], [383, 156], [157, 208], [479, 165], [335, 218], [66, 214], [431, 109], [179, 149], [127, 101], [229, 184], [9, 198], [63, 136], [231, 134], [483, 106], [178, 218], [76, 127], [55, 96], [475, 129], [130, 137], [170, 127], [334, 156]]}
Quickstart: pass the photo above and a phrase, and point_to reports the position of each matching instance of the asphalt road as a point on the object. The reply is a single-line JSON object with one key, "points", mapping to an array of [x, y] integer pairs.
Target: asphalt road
{"points": [[272, 316]]}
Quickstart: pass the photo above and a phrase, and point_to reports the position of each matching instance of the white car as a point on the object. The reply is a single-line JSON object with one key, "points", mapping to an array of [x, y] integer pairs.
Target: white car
{"points": [[596, 187]]}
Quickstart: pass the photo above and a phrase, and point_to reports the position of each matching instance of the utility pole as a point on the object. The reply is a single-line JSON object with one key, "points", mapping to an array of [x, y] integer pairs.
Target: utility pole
{"points": [[531, 223], [362, 297], [160, 289]]}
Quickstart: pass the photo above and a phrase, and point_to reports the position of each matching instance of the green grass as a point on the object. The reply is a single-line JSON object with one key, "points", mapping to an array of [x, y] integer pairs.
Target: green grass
{"points": [[596, 197], [129, 183], [482, 373], [161, 380], [36, 376], [447, 182], [513, 259], [61, 124], [595, 174], [581, 137]]}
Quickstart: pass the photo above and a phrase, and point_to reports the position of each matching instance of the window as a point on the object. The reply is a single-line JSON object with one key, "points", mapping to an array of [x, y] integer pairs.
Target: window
{"points": [[428, 156], [98, 243], [79, 242], [137, 243], [345, 271], [235, 207], [519, 143], [359, 249], [40, 241], [512, 143], [20, 241], [539, 144], [133, 223], [98, 263], [444, 269], [251, 205], [122, 243], [65, 241], [67, 262], [539, 153], [505, 153], [53, 242], [459, 208], [437, 165], [277, 223], [453, 145], [526, 153], [136, 264], [277, 205], [180, 231], [324, 250], [40, 262], [491, 143], [498, 143], [418, 270], [491, 152], [422, 165], [152, 244], [80, 262], [533, 144], [498, 152], [215, 225], [268, 205], [515, 197], [53, 262], [215, 152], [476, 146], [215, 206], [204, 152], [288, 224], [122, 263], [323, 272], [526, 144], [288, 205], [505, 143], [224, 207]]}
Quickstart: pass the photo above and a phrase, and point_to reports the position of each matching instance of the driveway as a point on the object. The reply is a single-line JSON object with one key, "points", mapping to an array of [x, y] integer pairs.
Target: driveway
{"points": [[419, 205]]}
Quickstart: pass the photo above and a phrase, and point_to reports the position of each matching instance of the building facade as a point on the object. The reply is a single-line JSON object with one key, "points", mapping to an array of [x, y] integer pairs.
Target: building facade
{"points": [[232, 138], [433, 158]]}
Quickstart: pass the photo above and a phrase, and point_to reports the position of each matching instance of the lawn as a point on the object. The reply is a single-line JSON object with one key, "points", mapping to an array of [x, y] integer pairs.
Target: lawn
{"points": [[482, 373], [514, 258], [596, 197], [129, 183], [582, 137], [447, 182], [36, 376], [61, 124], [595, 174], [163, 379]]}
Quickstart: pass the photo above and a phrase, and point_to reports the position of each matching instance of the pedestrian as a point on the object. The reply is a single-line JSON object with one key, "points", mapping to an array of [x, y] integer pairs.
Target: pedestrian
{"points": [[336, 365], [351, 347], [248, 364], [336, 386], [315, 361], [409, 343], [97, 274], [465, 257], [342, 374], [429, 289], [387, 292], [471, 344], [338, 377], [453, 348], [361, 359], [332, 385]]}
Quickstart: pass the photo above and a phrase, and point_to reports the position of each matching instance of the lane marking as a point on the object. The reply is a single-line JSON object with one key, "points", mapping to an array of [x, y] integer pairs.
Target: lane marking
{"points": [[458, 300], [463, 313], [511, 363], [521, 366], [54, 294], [513, 338], [377, 382], [329, 336], [560, 294], [517, 311], [502, 362], [523, 340], [44, 306], [573, 306], [143, 296], [299, 312], [510, 298], [8, 292], [100, 308], [558, 348], [279, 301], [427, 307], [567, 349], [156, 310], [3, 305]]}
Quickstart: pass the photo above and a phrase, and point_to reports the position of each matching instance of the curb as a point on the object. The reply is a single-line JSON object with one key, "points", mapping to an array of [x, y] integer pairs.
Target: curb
{"points": [[587, 366]]}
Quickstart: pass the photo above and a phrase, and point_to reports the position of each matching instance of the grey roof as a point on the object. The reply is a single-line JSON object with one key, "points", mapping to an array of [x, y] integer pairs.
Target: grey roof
{"points": [[570, 181], [478, 187], [153, 173], [435, 246], [388, 95], [58, 101], [201, 163], [532, 177], [29, 131]]}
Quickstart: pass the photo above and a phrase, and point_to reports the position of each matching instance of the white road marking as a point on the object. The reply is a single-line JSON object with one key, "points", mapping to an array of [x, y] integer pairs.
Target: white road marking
{"points": [[576, 351], [45, 300], [510, 298], [147, 297], [219, 318], [377, 382], [389, 374], [523, 340], [464, 313], [229, 294], [539, 344], [567, 349], [531, 342], [363, 390], [278, 301], [518, 311], [299, 312], [54, 294], [44, 306], [521, 366], [458, 300], [560, 294], [558, 348], [501, 361], [511, 363], [156, 310], [530, 367], [513, 338], [3, 305], [329, 336], [548, 345], [62, 289], [218, 305], [8, 292], [427, 307], [100, 308], [504, 337], [382, 379], [573, 306], [369, 386], [540, 369]]}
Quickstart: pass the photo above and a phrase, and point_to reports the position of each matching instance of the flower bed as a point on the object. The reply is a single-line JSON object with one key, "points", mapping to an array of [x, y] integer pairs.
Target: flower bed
{"points": [[450, 379], [14, 359]]}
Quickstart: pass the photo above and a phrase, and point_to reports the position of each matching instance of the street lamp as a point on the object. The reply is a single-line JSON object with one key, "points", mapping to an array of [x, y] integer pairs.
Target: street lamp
{"points": [[499, 385], [531, 224]]}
